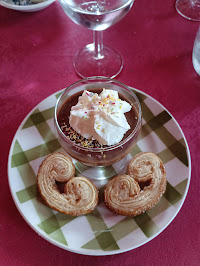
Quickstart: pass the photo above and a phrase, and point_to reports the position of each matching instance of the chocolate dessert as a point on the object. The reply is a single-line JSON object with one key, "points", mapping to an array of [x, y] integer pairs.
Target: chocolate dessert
{"points": [[90, 151]]}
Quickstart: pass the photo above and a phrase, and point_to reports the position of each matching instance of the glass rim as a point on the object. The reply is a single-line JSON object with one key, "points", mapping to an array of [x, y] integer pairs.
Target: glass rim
{"points": [[111, 147], [97, 12]]}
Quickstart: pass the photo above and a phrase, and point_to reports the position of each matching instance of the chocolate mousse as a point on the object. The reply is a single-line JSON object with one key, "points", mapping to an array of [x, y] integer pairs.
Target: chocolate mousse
{"points": [[99, 152]]}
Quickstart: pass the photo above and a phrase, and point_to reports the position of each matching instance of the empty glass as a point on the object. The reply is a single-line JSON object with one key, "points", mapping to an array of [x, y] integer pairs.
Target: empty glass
{"points": [[189, 9], [196, 53]]}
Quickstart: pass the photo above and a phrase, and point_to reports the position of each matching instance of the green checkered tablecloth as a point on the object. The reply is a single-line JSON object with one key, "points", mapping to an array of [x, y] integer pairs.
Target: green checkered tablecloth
{"points": [[101, 232]]}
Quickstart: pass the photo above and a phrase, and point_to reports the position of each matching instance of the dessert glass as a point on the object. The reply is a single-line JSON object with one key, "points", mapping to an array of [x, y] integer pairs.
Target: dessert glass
{"points": [[96, 162]]}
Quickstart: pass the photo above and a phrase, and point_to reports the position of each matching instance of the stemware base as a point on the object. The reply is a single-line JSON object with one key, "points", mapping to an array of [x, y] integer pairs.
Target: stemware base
{"points": [[188, 9], [109, 64], [102, 172]]}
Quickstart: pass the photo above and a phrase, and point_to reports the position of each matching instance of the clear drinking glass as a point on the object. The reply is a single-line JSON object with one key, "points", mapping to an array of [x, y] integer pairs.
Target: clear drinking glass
{"points": [[196, 53], [96, 59], [96, 162], [189, 9]]}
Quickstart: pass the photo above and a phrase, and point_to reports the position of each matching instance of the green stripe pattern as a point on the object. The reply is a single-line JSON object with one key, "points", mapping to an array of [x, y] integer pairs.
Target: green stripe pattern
{"points": [[101, 231]]}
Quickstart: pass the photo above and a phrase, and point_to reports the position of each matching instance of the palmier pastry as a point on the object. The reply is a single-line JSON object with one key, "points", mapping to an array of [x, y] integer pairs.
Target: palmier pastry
{"points": [[80, 195], [140, 189]]}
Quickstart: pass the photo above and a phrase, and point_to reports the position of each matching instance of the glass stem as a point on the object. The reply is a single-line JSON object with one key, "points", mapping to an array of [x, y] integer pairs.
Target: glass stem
{"points": [[98, 44]]}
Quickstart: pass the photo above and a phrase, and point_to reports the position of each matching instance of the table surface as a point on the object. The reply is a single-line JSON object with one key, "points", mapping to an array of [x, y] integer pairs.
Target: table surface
{"points": [[36, 55]]}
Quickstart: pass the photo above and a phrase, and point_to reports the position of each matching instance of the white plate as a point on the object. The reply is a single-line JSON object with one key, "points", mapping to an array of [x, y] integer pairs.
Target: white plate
{"points": [[101, 232], [26, 8]]}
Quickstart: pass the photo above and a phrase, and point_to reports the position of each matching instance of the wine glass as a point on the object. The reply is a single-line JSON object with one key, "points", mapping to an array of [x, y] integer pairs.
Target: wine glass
{"points": [[96, 59], [189, 9]]}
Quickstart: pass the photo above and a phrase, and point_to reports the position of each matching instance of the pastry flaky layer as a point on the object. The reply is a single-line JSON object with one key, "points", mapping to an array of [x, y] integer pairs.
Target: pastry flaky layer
{"points": [[140, 189], [80, 195]]}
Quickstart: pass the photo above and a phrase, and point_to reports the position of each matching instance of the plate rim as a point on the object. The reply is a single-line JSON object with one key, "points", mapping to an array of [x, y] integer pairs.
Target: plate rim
{"points": [[88, 251], [33, 7]]}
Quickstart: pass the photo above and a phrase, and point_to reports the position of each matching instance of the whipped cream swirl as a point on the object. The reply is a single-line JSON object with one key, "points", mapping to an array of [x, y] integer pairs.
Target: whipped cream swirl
{"points": [[100, 116]]}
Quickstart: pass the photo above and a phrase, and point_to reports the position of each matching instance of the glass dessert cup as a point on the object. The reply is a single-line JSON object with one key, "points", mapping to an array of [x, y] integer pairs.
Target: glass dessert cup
{"points": [[96, 162]]}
